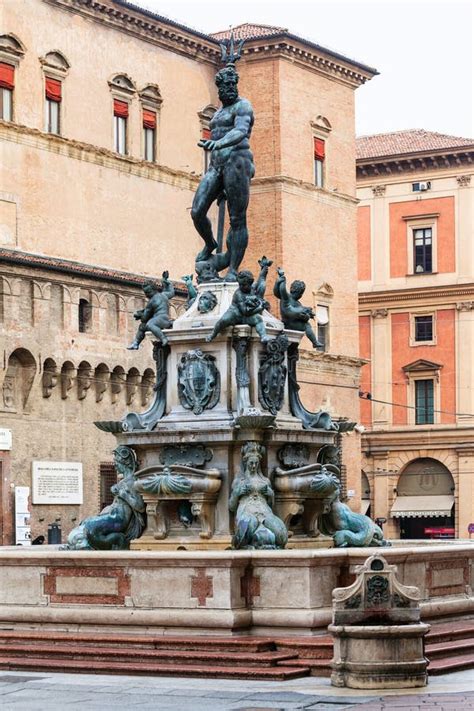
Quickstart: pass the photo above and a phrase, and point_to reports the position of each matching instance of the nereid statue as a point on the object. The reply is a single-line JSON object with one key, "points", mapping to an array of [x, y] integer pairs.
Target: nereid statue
{"points": [[155, 315], [294, 315], [251, 498], [230, 171], [348, 529], [248, 303], [118, 524]]}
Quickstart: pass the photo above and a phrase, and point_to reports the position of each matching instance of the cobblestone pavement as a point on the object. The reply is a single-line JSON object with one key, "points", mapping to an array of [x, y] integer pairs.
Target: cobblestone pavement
{"points": [[21, 691]]}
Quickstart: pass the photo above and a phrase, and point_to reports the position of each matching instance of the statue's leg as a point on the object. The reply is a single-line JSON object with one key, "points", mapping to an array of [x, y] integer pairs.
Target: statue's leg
{"points": [[142, 329], [260, 328], [154, 328], [224, 322], [208, 190], [237, 174], [312, 336]]}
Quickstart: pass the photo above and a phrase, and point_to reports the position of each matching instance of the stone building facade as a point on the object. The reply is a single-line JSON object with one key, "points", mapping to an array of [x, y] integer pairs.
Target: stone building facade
{"points": [[416, 299], [103, 105]]}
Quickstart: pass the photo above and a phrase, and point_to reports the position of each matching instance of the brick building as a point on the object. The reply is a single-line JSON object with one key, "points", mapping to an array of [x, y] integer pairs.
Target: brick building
{"points": [[416, 301], [102, 107]]}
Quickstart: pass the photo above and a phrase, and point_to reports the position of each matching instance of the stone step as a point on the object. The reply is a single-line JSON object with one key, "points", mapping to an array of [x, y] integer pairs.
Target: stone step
{"points": [[165, 656], [317, 667], [449, 649], [277, 673], [307, 647], [246, 644], [451, 664], [447, 631]]}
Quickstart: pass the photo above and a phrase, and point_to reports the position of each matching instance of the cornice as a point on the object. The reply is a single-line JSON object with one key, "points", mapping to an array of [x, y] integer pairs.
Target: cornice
{"points": [[436, 293], [310, 359], [78, 150], [145, 25], [415, 162], [285, 183], [436, 436]]}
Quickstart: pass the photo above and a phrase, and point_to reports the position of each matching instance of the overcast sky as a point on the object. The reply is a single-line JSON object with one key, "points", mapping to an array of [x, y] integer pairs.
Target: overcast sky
{"points": [[423, 50]]}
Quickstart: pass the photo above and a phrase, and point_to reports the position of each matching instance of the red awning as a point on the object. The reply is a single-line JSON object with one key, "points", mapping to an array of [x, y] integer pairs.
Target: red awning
{"points": [[7, 76], [319, 148], [149, 119], [53, 89], [206, 134], [120, 108]]}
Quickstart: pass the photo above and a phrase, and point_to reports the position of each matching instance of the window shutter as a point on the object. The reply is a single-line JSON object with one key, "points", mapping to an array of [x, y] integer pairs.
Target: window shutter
{"points": [[7, 76], [120, 108], [206, 134], [53, 89], [149, 119], [319, 148]]}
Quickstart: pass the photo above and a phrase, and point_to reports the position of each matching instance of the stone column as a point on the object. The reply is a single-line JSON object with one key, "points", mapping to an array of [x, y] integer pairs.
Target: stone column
{"points": [[465, 493], [464, 362], [382, 492], [465, 222], [41, 303], [381, 388]]}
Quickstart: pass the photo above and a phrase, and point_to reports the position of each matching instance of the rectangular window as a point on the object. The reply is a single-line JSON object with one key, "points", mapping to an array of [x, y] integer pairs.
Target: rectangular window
{"points": [[319, 157], [52, 106], [7, 84], [120, 126], [424, 402], [423, 328], [422, 250], [149, 135], [108, 477], [322, 318], [421, 187]]}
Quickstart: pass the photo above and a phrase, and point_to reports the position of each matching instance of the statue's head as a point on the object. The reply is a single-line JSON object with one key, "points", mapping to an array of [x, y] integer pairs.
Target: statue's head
{"points": [[245, 281], [150, 288], [207, 302], [297, 288], [125, 460], [226, 82], [325, 484], [252, 453]]}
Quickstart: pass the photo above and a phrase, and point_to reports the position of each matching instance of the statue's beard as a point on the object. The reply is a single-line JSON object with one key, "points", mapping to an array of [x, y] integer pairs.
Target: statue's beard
{"points": [[228, 96]]}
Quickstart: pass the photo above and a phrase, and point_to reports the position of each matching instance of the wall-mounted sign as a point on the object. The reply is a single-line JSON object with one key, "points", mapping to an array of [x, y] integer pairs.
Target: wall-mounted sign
{"points": [[22, 516], [57, 482], [5, 439]]}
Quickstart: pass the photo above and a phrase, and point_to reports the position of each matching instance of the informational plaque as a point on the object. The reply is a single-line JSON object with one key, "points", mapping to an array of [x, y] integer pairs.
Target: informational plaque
{"points": [[57, 482], [5, 439], [22, 516]]}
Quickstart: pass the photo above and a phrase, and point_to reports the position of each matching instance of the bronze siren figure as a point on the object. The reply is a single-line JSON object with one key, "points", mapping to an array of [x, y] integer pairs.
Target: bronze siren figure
{"points": [[230, 170]]}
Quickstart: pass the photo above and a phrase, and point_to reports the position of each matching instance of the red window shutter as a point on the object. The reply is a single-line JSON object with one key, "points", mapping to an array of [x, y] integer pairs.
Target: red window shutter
{"points": [[206, 134], [53, 89], [319, 149], [120, 108], [149, 119], [7, 76]]}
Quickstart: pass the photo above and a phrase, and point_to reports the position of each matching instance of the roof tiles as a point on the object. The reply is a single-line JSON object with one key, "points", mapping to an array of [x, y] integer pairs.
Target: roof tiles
{"points": [[413, 140]]}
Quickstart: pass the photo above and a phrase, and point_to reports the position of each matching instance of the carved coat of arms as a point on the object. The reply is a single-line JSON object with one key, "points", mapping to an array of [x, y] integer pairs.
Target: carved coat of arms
{"points": [[198, 381], [272, 374]]}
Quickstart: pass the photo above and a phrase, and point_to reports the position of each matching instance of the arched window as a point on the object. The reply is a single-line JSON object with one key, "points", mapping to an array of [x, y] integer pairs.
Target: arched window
{"points": [[55, 68], [85, 316], [123, 90], [321, 129], [18, 380], [151, 101], [11, 51]]}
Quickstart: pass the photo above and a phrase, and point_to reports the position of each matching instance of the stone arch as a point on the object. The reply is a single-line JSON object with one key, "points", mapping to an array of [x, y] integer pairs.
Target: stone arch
{"points": [[18, 381], [56, 61], [84, 379], [111, 313], [425, 475], [50, 376], [132, 382], [11, 47], [150, 95], [122, 83], [101, 380], [147, 384], [117, 382], [321, 124], [68, 372]]}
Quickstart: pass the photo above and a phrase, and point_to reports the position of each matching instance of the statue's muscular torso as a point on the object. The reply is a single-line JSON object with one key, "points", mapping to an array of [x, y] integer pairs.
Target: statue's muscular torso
{"points": [[237, 116]]}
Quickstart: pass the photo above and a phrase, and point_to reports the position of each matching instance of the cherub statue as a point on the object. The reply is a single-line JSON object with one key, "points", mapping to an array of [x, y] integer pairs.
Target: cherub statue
{"points": [[247, 304], [192, 292], [347, 528], [155, 315], [251, 499], [207, 300], [294, 315], [116, 525], [208, 269]]}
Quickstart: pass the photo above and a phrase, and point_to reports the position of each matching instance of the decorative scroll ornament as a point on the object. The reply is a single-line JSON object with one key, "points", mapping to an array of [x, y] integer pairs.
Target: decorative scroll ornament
{"points": [[272, 374], [190, 455], [198, 381]]}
